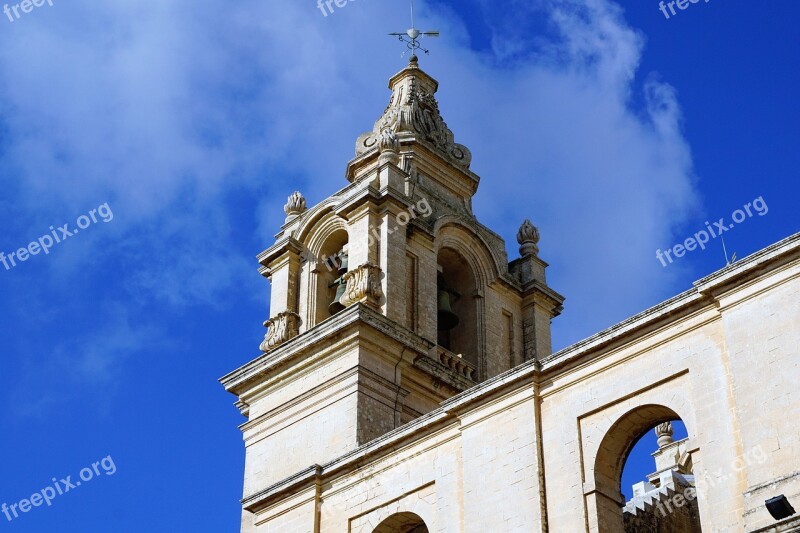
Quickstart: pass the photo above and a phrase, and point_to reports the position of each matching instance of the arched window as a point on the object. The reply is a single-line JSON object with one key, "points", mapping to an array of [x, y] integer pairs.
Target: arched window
{"points": [[402, 523], [648, 448], [659, 483]]}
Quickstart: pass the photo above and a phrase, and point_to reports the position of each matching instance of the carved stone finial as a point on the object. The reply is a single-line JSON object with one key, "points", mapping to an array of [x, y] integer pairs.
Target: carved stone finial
{"points": [[528, 238], [664, 433], [295, 206], [389, 147], [283, 327]]}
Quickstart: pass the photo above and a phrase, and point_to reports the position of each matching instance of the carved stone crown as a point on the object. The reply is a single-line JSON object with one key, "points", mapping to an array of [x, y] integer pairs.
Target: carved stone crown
{"points": [[664, 433], [413, 114], [528, 238], [296, 205]]}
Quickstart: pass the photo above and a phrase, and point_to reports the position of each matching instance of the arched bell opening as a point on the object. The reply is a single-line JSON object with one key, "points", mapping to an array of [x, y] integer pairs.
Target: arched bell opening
{"points": [[457, 308], [332, 264]]}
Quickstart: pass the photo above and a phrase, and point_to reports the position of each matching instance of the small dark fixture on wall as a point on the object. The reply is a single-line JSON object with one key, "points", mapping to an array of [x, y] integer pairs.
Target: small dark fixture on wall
{"points": [[779, 507]]}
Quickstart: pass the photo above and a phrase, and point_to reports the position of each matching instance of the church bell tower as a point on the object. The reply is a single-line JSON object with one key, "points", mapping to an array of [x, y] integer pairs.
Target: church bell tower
{"points": [[388, 298]]}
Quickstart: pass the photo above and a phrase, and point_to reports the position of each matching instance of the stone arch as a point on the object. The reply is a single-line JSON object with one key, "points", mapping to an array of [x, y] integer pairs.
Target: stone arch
{"points": [[324, 235], [316, 218], [478, 268], [402, 523], [453, 233], [612, 454], [318, 230]]}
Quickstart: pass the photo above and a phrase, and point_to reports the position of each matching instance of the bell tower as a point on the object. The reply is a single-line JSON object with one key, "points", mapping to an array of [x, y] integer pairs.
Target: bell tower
{"points": [[387, 298]]}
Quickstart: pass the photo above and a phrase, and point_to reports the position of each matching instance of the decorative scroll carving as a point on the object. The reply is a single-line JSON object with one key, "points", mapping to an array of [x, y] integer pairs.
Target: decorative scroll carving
{"points": [[282, 328], [363, 285], [413, 109]]}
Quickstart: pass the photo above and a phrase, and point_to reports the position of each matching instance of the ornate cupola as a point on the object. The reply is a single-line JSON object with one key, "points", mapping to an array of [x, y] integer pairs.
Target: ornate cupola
{"points": [[413, 116], [388, 297]]}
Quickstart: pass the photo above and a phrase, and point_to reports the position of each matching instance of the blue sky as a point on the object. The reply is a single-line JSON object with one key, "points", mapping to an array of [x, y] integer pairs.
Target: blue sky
{"points": [[616, 130]]}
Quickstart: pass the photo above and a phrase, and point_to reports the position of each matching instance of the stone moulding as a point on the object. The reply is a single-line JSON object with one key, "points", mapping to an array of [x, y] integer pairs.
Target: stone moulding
{"points": [[283, 327], [363, 285]]}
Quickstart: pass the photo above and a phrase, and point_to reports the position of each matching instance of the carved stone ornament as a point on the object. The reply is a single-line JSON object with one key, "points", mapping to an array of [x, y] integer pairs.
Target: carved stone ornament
{"points": [[528, 238], [389, 147], [664, 433], [295, 206], [413, 110], [363, 285], [282, 328]]}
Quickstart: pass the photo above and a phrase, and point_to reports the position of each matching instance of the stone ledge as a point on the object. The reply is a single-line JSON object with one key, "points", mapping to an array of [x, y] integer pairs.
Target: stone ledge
{"points": [[756, 488], [303, 478], [683, 303], [789, 525], [239, 380], [750, 264]]}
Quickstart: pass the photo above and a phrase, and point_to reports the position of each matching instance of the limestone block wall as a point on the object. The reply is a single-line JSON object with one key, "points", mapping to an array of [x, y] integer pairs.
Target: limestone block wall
{"points": [[423, 478], [321, 420], [476, 470], [683, 369], [762, 332], [500, 466], [721, 365], [325, 402], [504, 339]]}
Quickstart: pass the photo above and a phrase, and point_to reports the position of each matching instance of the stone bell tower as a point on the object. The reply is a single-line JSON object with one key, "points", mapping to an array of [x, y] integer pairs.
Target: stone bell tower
{"points": [[387, 298]]}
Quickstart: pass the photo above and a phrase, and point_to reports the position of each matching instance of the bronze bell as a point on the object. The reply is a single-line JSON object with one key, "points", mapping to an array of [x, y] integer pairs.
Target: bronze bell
{"points": [[341, 260], [336, 305], [447, 319]]}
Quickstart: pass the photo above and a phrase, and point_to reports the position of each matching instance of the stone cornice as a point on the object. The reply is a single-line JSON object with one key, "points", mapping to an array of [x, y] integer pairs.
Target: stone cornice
{"points": [[540, 291], [268, 256], [307, 477], [751, 266], [241, 379], [702, 294]]}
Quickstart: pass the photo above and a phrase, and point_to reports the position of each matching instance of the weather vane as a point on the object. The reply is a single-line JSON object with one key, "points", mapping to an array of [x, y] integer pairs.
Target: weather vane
{"points": [[413, 36]]}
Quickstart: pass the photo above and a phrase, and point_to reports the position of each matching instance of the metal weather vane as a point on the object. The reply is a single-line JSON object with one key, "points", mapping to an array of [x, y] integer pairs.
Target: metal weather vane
{"points": [[412, 36]]}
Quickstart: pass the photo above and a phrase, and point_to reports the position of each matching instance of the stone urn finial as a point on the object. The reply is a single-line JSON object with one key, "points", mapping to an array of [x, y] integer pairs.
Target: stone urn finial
{"points": [[664, 433], [388, 146], [295, 206], [528, 238]]}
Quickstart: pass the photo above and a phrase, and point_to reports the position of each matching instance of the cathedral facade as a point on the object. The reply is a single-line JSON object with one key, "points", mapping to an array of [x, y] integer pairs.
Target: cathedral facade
{"points": [[407, 381]]}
